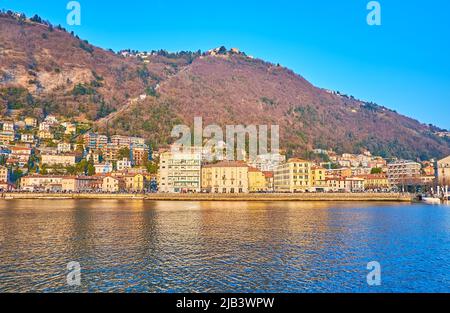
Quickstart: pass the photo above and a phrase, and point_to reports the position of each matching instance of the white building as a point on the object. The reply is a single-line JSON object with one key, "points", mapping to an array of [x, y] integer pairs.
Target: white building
{"points": [[123, 164], [51, 119], [64, 147], [267, 162], [58, 159], [28, 138], [8, 126], [103, 168], [404, 173], [44, 126], [180, 172]]}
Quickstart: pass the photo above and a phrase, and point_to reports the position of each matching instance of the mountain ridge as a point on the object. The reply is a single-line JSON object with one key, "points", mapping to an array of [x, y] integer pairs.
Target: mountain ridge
{"points": [[44, 69]]}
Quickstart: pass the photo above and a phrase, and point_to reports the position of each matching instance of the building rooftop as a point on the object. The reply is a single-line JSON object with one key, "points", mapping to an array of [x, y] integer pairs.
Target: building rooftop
{"points": [[227, 164]]}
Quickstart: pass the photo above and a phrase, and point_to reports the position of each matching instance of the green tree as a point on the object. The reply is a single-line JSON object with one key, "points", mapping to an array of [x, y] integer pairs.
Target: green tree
{"points": [[71, 170], [376, 170], [91, 170], [124, 153], [3, 159]]}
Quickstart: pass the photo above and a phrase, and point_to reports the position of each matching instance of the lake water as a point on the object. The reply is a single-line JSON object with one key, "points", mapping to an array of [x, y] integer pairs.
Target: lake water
{"points": [[138, 246]]}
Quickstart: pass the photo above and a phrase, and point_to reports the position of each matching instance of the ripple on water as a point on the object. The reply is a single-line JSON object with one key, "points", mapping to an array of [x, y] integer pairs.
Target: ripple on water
{"points": [[135, 246]]}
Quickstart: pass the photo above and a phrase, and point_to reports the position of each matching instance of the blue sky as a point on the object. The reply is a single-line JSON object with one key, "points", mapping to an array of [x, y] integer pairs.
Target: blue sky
{"points": [[403, 64]]}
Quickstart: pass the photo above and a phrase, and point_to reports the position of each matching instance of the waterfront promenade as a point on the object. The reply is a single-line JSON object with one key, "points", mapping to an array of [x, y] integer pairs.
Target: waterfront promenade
{"points": [[220, 197]]}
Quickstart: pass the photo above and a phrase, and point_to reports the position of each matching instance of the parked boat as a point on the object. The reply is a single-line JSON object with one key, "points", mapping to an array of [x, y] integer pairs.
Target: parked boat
{"points": [[431, 200]]}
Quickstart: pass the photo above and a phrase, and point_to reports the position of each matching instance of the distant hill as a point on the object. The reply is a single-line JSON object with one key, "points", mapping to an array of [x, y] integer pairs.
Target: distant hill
{"points": [[44, 69]]}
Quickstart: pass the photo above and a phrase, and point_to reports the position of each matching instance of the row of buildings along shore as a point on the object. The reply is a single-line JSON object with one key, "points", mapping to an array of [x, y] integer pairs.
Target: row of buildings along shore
{"points": [[186, 172], [66, 156]]}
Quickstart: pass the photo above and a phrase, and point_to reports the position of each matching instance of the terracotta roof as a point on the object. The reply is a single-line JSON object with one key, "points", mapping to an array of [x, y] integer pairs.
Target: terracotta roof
{"points": [[268, 174], [253, 169], [373, 176], [291, 160], [19, 148]]}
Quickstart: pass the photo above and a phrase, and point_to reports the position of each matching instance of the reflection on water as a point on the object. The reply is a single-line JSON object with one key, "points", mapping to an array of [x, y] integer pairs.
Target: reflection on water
{"points": [[129, 246]]}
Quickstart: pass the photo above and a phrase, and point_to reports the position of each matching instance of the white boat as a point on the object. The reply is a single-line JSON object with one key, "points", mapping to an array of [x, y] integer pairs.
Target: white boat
{"points": [[431, 200]]}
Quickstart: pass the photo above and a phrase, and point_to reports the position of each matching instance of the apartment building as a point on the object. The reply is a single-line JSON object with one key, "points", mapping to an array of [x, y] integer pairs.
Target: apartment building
{"points": [[19, 155], [404, 173], [44, 126], [6, 136], [293, 176], [103, 168], [4, 174], [8, 126], [229, 177], [336, 183], [69, 128], [345, 184], [123, 164], [354, 184], [110, 152], [139, 153], [343, 172], [133, 183], [64, 147], [443, 172], [180, 172], [27, 138], [318, 178], [376, 181], [45, 134], [267, 162], [56, 183], [58, 159], [113, 184], [256, 180], [125, 141], [269, 180], [30, 122], [95, 141]]}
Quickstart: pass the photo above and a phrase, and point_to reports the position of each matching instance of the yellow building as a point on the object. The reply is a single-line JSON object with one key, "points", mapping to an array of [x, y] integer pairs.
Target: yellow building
{"points": [[269, 180], [293, 176], [376, 181], [343, 172], [112, 184], [3, 174], [6, 137], [30, 122], [336, 183], [318, 178], [70, 129], [256, 180], [225, 177], [345, 184], [134, 183], [45, 134]]}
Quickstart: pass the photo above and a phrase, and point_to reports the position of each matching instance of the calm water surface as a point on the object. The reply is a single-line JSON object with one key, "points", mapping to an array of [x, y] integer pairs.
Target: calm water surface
{"points": [[136, 246]]}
